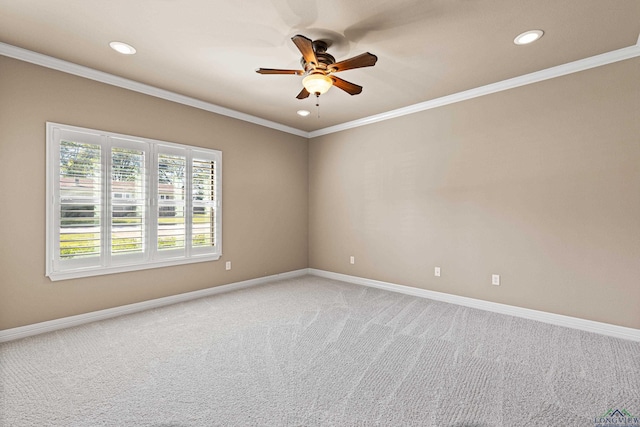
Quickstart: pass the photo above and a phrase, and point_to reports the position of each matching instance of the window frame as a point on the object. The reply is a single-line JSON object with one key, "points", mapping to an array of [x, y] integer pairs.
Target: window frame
{"points": [[151, 257]]}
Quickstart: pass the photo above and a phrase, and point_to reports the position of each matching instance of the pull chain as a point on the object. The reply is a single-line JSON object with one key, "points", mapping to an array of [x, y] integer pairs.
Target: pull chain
{"points": [[318, 103]]}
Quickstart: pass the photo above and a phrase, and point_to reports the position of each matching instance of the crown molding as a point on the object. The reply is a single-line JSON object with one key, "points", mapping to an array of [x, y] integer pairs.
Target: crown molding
{"points": [[100, 76], [535, 77], [526, 79]]}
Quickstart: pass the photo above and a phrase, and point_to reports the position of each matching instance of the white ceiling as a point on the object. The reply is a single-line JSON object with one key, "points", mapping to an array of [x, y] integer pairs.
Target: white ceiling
{"points": [[209, 49]]}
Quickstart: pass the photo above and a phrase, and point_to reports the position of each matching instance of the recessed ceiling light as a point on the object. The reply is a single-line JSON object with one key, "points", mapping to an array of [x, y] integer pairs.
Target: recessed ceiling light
{"points": [[122, 48], [528, 37], [303, 113]]}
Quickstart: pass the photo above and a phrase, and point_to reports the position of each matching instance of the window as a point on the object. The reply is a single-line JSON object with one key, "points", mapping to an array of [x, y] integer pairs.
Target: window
{"points": [[121, 203]]}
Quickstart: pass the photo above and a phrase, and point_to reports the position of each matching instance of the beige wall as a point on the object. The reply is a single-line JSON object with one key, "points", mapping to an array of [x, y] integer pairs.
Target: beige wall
{"points": [[540, 184], [264, 193]]}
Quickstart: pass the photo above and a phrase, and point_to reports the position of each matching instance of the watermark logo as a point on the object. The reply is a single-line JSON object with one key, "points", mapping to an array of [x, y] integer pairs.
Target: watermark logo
{"points": [[616, 418]]}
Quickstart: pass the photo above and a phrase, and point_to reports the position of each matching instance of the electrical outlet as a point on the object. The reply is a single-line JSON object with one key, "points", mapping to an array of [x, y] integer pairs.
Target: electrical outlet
{"points": [[227, 265], [352, 259], [495, 279], [436, 272]]}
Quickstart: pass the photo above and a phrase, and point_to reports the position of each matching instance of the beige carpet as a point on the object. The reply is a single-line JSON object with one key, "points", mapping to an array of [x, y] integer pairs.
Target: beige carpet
{"points": [[316, 352]]}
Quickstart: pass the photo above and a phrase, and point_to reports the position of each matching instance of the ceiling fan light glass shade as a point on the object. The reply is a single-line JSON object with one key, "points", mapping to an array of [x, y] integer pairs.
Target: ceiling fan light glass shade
{"points": [[317, 83]]}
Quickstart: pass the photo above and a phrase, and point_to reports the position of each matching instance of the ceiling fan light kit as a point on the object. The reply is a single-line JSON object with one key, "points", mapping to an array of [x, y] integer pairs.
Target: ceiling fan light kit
{"points": [[319, 68], [317, 83]]}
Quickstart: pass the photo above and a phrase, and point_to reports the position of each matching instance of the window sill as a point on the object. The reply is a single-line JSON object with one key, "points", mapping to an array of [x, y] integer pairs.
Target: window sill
{"points": [[89, 272]]}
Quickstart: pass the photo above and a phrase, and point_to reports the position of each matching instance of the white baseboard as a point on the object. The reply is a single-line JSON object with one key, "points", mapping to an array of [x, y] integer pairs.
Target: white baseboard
{"points": [[80, 319], [541, 316]]}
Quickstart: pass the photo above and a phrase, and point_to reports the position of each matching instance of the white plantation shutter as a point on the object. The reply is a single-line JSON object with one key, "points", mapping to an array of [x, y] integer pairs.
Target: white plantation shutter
{"points": [[78, 198], [128, 199], [121, 203], [171, 190], [204, 196]]}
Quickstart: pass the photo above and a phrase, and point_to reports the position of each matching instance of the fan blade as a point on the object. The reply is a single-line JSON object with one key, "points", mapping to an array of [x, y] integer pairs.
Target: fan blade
{"points": [[364, 60], [277, 71], [350, 88], [305, 46], [304, 93]]}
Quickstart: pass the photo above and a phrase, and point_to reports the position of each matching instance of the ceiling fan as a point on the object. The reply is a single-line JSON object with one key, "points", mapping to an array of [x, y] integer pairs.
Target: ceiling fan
{"points": [[319, 68]]}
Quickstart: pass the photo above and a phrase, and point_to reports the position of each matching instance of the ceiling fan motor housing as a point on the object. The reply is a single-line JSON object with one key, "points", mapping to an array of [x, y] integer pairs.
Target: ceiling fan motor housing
{"points": [[324, 59]]}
